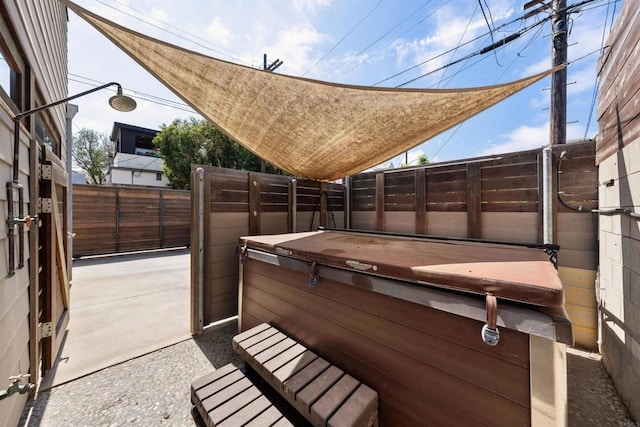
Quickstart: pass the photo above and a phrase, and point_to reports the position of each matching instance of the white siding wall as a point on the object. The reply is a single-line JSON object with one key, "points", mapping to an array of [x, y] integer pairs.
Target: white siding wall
{"points": [[41, 34]]}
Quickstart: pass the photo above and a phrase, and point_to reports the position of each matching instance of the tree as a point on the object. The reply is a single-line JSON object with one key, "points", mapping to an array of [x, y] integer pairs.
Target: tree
{"points": [[91, 153], [420, 160], [193, 141]]}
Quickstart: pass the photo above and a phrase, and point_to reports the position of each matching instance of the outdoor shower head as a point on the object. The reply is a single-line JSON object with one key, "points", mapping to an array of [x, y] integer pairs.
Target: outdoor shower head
{"points": [[122, 102]]}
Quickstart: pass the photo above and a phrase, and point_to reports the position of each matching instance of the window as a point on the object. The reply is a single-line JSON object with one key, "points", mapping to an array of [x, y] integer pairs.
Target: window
{"points": [[11, 67], [45, 132], [158, 176]]}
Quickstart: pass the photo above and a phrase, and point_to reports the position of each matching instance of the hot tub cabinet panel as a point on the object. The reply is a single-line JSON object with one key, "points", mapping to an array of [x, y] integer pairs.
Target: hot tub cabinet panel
{"points": [[428, 365]]}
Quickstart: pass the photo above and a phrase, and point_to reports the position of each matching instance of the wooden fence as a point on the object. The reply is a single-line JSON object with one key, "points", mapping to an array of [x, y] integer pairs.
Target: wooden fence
{"points": [[121, 219], [497, 198], [238, 203]]}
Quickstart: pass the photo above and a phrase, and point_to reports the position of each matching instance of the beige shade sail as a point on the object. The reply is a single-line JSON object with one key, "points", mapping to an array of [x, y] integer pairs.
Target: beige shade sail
{"points": [[312, 129]]}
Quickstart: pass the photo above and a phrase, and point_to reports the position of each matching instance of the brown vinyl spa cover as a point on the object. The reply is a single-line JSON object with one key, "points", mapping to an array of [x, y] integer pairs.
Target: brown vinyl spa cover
{"points": [[312, 129]]}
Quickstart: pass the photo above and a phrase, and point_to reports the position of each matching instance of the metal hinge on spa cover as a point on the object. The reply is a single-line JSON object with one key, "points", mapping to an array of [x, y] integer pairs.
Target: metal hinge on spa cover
{"points": [[490, 333]]}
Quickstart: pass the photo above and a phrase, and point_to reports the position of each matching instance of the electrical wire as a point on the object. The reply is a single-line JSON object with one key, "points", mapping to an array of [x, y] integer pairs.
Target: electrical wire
{"points": [[453, 54], [490, 30], [594, 95], [396, 39], [343, 37], [176, 34], [379, 38], [500, 43]]}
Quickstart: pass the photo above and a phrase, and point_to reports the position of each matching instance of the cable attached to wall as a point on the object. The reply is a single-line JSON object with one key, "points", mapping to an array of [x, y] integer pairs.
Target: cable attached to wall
{"points": [[580, 208]]}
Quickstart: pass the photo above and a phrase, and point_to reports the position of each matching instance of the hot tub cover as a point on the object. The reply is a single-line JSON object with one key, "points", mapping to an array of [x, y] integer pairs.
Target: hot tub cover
{"points": [[510, 272], [312, 129]]}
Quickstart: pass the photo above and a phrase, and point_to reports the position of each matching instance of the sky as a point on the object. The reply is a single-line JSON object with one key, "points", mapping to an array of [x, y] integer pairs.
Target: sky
{"points": [[383, 43]]}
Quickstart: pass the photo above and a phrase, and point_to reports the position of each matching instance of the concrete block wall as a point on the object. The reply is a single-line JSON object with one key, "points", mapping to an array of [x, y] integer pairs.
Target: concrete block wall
{"points": [[619, 276]]}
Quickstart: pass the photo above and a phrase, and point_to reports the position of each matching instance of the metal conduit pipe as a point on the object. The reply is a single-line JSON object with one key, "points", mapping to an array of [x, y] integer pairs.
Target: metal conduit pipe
{"points": [[547, 195]]}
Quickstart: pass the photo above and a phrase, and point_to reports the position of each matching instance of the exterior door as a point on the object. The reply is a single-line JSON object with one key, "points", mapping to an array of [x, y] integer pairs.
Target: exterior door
{"points": [[49, 275]]}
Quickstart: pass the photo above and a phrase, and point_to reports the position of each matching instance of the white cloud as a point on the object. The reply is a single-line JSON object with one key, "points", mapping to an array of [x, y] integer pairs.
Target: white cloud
{"points": [[528, 137], [295, 46], [160, 15], [302, 5], [218, 32]]}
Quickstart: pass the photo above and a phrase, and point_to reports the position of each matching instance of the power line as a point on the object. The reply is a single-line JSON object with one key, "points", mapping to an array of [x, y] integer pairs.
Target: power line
{"points": [[176, 34], [396, 39], [489, 27], [453, 54], [594, 95], [344, 37], [381, 37]]}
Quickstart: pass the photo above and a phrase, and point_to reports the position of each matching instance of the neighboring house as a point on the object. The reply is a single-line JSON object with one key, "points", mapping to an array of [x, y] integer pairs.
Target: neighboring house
{"points": [[33, 282], [78, 177], [136, 161]]}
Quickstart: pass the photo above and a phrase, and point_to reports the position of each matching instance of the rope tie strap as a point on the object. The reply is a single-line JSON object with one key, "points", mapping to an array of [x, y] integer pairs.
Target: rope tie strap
{"points": [[490, 334]]}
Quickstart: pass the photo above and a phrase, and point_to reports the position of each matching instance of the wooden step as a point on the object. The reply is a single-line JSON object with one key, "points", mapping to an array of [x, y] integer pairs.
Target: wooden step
{"points": [[320, 391]]}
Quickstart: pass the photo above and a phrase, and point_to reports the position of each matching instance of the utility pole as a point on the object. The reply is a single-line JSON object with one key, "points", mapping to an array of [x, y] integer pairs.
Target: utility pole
{"points": [[558, 114], [558, 120], [269, 69]]}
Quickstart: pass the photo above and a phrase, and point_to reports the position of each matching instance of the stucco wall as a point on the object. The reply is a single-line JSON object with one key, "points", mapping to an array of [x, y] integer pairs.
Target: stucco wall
{"points": [[620, 273], [618, 154]]}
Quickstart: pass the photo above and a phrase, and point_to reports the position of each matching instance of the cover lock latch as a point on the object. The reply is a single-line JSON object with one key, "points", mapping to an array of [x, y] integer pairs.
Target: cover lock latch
{"points": [[490, 333], [243, 254], [313, 275]]}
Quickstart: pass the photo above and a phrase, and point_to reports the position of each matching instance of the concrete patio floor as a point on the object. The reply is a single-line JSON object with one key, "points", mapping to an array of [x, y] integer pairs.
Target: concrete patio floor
{"points": [[123, 306]]}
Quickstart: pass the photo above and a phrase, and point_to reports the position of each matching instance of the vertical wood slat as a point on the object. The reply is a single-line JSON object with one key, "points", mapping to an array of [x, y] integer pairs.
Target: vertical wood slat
{"points": [[48, 273], [206, 244], [161, 219], [196, 247], [421, 201], [380, 202], [323, 204], [292, 225], [117, 219], [254, 204], [35, 348], [348, 206], [474, 200]]}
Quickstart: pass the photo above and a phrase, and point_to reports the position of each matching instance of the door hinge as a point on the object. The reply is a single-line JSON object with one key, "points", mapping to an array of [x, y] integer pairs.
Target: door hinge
{"points": [[46, 172], [45, 205], [44, 330]]}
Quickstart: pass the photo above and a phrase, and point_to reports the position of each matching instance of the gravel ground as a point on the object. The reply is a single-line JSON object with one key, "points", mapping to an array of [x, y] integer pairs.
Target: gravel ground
{"points": [[155, 389]]}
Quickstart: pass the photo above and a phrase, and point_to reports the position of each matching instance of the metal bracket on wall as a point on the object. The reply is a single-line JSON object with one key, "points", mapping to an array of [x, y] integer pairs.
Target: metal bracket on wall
{"points": [[45, 172], [14, 222], [44, 330], [45, 205]]}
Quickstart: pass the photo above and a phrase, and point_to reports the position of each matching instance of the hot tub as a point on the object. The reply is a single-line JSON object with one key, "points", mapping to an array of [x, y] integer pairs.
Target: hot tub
{"points": [[415, 319]]}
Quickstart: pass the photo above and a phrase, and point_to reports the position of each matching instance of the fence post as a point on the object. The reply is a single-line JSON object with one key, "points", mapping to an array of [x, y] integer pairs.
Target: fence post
{"points": [[421, 200], [323, 204], [161, 219], [474, 201], [380, 202], [347, 202], [293, 206], [117, 219], [254, 204], [197, 246]]}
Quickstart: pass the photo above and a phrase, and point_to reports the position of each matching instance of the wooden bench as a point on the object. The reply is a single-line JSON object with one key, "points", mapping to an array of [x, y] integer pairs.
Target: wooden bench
{"points": [[321, 392]]}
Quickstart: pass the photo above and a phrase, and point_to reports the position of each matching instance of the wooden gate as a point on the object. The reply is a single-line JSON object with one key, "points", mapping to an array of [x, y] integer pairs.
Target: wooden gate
{"points": [[48, 265]]}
